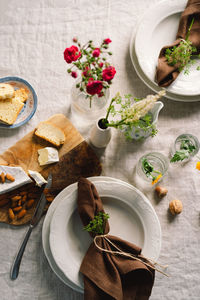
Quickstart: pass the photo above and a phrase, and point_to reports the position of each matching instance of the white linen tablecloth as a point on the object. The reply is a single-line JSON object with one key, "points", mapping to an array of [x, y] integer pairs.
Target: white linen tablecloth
{"points": [[33, 36]]}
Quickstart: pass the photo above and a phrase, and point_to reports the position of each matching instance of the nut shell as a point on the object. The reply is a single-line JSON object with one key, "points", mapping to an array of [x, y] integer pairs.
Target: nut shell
{"points": [[10, 177], [175, 206], [161, 191]]}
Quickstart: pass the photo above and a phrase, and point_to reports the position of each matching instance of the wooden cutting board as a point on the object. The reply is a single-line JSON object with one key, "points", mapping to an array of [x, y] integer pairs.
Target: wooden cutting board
{"points": [[76, 159]]}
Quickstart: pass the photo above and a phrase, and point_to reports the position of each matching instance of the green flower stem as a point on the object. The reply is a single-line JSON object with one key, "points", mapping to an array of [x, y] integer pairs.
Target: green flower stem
{"points": [[109, 108], [189, 29], [117, 124], [82, 48]]}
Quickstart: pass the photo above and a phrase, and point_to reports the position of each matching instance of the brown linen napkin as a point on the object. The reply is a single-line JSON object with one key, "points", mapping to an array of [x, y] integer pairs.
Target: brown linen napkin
{"points": [[166, 74], [108, 276]]}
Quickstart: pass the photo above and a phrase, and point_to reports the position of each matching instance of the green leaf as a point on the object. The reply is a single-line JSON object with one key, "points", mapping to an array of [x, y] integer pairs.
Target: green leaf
{"points": [[137, 99], [180, 156], [149, 169], [180, 55], [97, 225]]}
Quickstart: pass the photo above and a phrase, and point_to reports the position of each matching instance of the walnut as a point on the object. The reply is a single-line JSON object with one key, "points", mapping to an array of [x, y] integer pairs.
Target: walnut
{"points": [[161, 191], [175, 206]]}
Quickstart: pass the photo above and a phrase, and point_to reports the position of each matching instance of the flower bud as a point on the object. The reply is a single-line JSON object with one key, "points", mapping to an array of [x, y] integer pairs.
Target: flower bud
{"points": [[96, 52], [74, 74], [107, 41]]}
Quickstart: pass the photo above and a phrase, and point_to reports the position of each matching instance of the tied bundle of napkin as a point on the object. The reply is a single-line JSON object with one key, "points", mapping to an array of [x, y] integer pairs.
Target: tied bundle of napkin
{"points": [[166, 74], [108, 276]]}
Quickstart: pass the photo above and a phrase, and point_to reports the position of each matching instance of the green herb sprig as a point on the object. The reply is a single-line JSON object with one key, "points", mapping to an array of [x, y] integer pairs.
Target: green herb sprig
{"points": [[181, 55], [149, 170], [97, 225], [185, 149]]}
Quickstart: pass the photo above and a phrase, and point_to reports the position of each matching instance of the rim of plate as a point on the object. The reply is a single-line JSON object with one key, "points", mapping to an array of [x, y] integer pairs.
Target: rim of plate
{"points": [[46, 228], [141, 208], [148, 82], [14, 78]]}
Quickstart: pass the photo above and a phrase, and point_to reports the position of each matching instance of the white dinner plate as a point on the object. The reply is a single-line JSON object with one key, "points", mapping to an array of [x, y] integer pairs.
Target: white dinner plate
{"points": [[132, 218], [159, 27]]}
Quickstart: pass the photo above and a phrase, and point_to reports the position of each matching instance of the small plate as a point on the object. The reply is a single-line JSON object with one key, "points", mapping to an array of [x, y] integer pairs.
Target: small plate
{"points": [[30, 105], [158, 32], [69, 243]]}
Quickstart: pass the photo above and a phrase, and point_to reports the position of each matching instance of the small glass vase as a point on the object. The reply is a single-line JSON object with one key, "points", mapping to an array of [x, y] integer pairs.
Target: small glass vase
{"points": [[85, 111], [190, 140], [159, 162]]}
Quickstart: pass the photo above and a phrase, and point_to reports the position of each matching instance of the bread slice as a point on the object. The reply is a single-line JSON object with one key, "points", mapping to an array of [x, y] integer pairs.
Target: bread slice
{"points": [[21, 95], [50, 133], [6, 91], [9, 110]]}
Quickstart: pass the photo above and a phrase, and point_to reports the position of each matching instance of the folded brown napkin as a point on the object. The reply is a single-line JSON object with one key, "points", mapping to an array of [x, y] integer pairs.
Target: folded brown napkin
{"points": [[108, 276], [166, 74]]}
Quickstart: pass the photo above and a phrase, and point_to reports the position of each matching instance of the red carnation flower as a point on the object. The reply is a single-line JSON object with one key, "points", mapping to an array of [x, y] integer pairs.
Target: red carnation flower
{"points": [[94, 87], [107, 41], [74, 74], [71, 54], [96, 52], [108, 73], [101, 64]]}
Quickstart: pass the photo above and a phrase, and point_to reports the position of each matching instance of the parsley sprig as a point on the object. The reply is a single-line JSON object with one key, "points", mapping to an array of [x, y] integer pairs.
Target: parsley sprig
{"points": [[181, 55], [97, 225], [186, 147], [149, 170]]}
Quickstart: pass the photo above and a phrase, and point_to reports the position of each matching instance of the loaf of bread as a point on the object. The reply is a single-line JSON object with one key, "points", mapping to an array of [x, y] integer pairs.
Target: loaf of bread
{"points": [[50, 133], [9, 110], [6, 91]]}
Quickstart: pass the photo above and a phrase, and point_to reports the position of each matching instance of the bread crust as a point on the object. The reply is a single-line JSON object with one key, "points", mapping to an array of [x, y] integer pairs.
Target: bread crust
{"points": [[46, 137]]}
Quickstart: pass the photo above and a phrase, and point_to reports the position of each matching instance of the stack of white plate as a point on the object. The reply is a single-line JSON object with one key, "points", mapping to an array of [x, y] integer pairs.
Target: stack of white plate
{"points": [[132, 218], [157, 28]]}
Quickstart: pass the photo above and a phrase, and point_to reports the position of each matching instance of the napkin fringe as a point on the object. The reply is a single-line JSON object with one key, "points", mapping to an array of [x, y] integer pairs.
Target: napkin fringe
{"points": [[130, 255]]}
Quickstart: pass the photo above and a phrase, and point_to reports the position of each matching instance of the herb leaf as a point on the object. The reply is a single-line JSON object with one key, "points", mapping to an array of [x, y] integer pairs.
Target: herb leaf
{"points": [[185, 149], [181, 55], [97, 225], [149, 171]]}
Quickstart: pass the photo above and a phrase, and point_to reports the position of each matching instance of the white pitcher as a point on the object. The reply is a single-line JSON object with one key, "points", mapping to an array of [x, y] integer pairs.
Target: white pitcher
{"points": [[139, 133]]}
